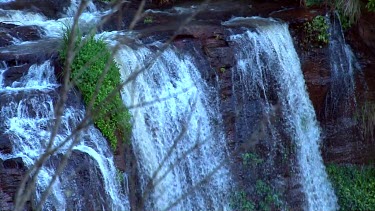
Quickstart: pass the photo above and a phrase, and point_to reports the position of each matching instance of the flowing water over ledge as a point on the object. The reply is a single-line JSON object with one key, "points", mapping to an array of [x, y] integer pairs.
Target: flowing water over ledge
{"points": [[269, 70], [178, 139], [28, 115], [178, 134]]}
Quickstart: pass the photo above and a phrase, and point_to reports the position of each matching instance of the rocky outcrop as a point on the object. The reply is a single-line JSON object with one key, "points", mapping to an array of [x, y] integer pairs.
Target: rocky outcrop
{"points": [[49, 8], [10, 33], [12, 172]]}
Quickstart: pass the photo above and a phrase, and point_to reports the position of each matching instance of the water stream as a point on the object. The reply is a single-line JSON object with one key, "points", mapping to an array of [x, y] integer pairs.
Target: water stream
{"points": [[178, 135], [181, 133], [268, 63]]}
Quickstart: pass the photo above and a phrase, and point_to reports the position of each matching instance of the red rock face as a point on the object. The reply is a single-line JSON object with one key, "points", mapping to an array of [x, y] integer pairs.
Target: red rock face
{"points": [[11, 174], [366, 29]]}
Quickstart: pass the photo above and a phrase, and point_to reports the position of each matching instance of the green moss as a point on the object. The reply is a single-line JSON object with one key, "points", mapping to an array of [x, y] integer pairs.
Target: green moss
{"points": [[113, 120], [354, 186]]}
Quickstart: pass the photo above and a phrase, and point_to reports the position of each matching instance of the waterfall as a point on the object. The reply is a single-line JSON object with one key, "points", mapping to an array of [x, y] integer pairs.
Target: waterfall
{"points": [[267, 64], [340, 99], [27, 114], [51, 28], [180, 131], [74, 4]]}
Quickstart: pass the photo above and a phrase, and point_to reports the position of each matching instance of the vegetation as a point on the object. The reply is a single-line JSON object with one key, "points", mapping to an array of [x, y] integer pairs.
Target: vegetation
{"points": [[310, 3], [148, 20], [265, 198], [354, 186], [113, 118], [317, 31], [251, 159], [241, 201], [371, 5], [270, 199], [349, 10]]}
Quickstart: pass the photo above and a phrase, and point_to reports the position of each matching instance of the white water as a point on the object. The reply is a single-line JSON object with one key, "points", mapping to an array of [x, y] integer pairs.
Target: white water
{"points": [[27, 119], [175, 79], [53, 28], [268, 52], [341, 97]]}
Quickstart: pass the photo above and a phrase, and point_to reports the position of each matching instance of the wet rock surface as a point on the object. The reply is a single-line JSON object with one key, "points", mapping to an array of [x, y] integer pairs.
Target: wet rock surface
{"points": [[343, 141], [82, 186], [49, 8], [10, 34], [12, 172]]}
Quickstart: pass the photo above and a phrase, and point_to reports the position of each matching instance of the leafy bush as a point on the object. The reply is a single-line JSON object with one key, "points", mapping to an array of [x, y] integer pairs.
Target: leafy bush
{"points": [[317, 31], [113, 118], [354, 186], [371, 5]]}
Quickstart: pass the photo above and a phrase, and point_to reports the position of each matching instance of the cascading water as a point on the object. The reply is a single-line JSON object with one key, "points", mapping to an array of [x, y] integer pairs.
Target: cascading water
{"points": [[27, 119], [193, 173], [266, 59], [340, 99], [90, 180]]}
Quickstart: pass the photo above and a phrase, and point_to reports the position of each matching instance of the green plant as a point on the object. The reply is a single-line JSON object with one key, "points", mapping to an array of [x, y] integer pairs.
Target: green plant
{"points": [[270, 199], [371, 5], [148, 20], [251, 159], [120, 176], [91, 59], [354, 186], [345, 21], [222, 69], [351, 9], [317, 31], [240, 201], [310, 3]]}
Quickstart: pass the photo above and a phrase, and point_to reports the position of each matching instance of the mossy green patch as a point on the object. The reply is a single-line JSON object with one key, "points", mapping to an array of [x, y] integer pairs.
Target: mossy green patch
{"points": [[91, 59]]}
